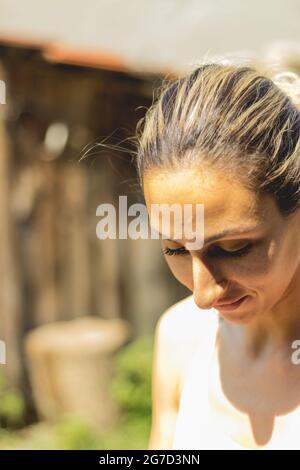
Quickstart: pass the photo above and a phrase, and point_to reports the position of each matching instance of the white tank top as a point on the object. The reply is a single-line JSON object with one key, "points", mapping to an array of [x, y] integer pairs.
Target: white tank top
{"points": [[194, 428]]}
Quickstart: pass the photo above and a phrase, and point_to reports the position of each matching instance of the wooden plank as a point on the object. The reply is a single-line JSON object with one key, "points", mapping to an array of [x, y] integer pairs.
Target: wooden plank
{"points": [[10, 291]]}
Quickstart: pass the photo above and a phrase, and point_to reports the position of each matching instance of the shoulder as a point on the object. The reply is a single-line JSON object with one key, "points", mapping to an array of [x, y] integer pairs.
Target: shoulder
{"points": [[182, 328], [184, 320]]}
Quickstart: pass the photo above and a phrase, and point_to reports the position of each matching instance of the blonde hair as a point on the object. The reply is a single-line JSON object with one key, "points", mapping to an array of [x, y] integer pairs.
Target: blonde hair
{"points": [[231, 116]]}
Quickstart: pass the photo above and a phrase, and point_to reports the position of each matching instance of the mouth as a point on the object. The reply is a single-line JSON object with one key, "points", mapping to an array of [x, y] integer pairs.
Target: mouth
{"points": [[230, 305]]}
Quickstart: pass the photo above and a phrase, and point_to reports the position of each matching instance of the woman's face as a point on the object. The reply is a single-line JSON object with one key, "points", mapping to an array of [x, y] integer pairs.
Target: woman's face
{"points": [[261, 263]]}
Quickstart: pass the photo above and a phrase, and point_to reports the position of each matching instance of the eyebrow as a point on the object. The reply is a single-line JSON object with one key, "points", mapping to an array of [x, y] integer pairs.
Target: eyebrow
{"points": [[224, 233]]}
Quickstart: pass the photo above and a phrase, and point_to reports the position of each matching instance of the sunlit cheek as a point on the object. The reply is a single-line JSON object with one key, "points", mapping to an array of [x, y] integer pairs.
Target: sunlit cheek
{"points": [[182, 269], [283, 263]]}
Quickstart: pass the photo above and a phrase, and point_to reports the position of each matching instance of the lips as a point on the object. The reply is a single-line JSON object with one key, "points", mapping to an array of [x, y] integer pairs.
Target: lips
{"points": [[227, 302], [230, 304]]}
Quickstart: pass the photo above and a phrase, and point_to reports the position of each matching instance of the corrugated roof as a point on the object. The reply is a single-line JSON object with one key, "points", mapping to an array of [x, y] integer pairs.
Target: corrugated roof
{"points": [[59, 53]]}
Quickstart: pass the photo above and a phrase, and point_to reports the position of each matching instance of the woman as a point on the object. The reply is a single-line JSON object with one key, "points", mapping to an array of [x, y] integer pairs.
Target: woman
{"points": [[228, 137]]}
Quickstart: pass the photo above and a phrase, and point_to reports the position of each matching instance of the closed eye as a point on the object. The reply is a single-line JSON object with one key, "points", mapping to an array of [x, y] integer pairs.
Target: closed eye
{"points": [[173, 252], [220, 252], [216, 252]]}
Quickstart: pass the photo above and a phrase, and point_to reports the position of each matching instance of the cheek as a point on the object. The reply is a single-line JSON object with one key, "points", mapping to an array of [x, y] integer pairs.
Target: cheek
{"points": [[285, 266], [259, 267], [182, 269], [271, 270]]}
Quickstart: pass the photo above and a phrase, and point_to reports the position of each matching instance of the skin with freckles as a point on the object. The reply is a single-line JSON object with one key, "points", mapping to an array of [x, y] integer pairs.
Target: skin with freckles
{"points": [[257, 384]]}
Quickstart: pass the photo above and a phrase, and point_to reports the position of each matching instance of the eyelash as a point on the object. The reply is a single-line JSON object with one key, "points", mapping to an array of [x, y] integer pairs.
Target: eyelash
{"points": [[234, 254]]}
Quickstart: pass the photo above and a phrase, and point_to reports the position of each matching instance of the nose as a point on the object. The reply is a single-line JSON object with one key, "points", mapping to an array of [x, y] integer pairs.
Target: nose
{"points": [[207, 289]]}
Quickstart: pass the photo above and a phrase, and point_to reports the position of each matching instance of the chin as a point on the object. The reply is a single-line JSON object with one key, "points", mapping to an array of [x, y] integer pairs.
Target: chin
{"points": [[238, 317]]}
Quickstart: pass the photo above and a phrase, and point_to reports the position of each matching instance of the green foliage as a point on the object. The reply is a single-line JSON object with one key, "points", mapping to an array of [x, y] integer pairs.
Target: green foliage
{"points": [[131, 386], [130, 434], [12, 406], [73, 433]]}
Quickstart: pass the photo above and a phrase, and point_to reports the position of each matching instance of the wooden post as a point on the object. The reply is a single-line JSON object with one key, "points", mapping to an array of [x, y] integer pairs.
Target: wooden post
{"points": [[10, 292]]}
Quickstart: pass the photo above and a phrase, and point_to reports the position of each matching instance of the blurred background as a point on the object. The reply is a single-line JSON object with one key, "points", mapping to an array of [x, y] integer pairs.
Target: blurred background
{"points": [[77, 314]]}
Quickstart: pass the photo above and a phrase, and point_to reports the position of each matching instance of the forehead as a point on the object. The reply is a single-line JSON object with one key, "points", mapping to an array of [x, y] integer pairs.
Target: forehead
{"points": [[225, 199], [228, 205]]}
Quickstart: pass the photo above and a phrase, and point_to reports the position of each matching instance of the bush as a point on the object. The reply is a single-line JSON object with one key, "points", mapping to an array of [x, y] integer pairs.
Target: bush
{"points": [[73, 433], [131, 386], [12, 406]]}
